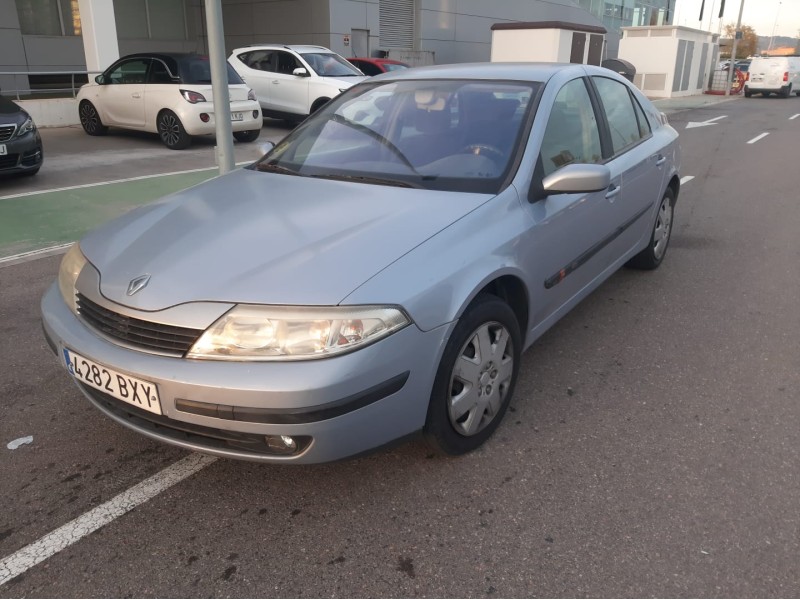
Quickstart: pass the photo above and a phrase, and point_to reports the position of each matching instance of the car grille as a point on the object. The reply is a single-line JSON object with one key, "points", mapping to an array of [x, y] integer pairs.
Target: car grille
{"points": [[137, 333], [9, 160], [7, 132]]}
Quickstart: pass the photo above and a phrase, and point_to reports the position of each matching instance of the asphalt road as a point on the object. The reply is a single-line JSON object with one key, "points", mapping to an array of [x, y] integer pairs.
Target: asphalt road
{"points": [[651, 451]]}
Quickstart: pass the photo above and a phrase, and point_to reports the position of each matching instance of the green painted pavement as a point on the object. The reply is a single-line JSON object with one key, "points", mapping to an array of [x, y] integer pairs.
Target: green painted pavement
{"points": [[47, 219]]}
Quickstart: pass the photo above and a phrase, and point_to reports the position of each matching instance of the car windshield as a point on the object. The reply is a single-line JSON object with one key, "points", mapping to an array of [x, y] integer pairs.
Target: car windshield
{"points": [[445, 135], [394, 66], [327, 64], [197, 69]]}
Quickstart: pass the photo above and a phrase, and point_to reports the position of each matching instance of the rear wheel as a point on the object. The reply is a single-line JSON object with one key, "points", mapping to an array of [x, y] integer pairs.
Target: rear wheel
{"points": [[90, 119], [787, 91], [247, 136], [171, 131], [318, 103], [651, 257], [476, 377], [748, 94]]}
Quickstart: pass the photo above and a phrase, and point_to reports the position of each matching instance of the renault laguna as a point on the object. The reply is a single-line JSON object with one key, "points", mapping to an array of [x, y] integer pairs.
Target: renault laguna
{"points": [[376, 274]]}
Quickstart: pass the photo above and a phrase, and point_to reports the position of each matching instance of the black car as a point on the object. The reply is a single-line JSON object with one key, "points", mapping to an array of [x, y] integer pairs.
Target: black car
{"points": [[20, 142]]}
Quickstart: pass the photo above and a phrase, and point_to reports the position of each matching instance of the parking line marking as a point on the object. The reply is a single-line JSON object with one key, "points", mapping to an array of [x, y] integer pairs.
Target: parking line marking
{"points": [[34, 254], [792, 118], [139, 178], [758, 137], [63, 537], [686, 179]]}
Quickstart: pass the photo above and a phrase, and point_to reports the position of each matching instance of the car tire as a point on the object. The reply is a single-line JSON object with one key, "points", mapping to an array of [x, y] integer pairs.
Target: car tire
{"points": [[172, 132], [247, 136], [797, 94], [656, 249], [90, 119], [787, 91], [483, 353], [748, 94]]}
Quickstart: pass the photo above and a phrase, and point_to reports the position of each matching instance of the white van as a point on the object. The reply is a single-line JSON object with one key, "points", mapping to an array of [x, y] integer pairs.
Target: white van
{"points": [[773, 75]]}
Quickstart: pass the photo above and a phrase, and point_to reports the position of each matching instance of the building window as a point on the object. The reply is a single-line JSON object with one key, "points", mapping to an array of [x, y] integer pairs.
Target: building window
{"points": [[49, 17], [150, 19], [396, 20]]}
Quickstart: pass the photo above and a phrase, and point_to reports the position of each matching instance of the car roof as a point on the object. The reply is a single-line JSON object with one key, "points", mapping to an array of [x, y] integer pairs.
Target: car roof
{"points": [[299, 48], [511, 71], [162, 55]]}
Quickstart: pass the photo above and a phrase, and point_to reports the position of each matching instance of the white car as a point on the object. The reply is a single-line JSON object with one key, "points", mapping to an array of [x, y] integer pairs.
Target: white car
{"points": [[291, 82], [168, 94]]}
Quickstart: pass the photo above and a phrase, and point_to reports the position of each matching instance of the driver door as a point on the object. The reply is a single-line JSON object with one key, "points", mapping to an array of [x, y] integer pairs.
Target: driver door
{"points": [[121, 97]]}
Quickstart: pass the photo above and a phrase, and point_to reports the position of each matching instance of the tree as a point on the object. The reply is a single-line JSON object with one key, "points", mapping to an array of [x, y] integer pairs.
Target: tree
{"points": [[748, 45]]}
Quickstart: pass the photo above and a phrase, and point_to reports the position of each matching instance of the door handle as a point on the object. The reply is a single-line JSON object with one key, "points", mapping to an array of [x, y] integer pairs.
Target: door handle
{"points": [[275, 81], [135, 96], [612, 191], [660, 159]]}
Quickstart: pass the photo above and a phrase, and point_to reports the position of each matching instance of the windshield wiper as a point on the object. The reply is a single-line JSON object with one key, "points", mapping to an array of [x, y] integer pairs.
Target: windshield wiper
{"points": [[376, 136], [367, 179], [275, 168]]}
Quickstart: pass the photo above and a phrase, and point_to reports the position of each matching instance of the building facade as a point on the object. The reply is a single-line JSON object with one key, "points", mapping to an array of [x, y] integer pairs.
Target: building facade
{"points": [[40, 36]]}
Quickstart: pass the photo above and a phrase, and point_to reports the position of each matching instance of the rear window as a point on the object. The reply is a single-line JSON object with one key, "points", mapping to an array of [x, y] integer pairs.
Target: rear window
{"points": [[197, 69]]}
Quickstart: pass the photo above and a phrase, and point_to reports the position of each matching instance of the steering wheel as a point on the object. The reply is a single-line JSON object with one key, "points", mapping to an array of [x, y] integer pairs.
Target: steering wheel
{"points": [[486, 150]]}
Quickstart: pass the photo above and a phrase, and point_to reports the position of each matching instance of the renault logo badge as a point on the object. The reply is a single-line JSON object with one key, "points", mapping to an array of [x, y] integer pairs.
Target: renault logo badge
{"points": [[138, 284]]}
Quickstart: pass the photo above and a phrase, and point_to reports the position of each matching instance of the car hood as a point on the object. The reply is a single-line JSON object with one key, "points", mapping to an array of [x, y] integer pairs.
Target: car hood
{"points": [[265, 238], [344, 81]]}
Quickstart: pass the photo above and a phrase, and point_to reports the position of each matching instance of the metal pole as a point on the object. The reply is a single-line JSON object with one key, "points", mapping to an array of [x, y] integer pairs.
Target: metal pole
{"points": [[772, 37], [733, 52], [219, 85]]}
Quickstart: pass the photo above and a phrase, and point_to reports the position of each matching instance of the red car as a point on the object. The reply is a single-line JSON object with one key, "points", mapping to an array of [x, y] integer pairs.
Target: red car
{"points": [[376, 66]]}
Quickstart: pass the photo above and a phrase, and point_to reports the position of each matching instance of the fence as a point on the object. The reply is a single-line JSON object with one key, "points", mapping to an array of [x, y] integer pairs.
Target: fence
{"points": [[43, 84]]}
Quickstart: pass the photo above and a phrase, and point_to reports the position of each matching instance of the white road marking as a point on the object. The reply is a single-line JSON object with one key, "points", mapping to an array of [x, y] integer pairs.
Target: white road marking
{"points": [[63, 537], [34, 254], [88, 185], [793, 117], [693, 124], [686, 179], [758, 137]]}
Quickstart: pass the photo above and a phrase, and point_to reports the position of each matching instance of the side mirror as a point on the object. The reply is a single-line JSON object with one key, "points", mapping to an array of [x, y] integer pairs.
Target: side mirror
{"points": [[576, 179], [267, 147], [300, 72], [100, 79]]}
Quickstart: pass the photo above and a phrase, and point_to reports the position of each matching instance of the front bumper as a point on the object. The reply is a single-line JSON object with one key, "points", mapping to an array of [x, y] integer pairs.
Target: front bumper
{"points": [[336, 407], [22, 154]]}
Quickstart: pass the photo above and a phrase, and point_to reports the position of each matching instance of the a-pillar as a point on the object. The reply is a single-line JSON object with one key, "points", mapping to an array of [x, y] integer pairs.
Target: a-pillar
{"points": [[99, 32]]}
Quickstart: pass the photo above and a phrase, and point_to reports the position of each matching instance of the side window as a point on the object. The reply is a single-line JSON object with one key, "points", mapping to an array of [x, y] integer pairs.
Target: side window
{"points": [[572, 135], [131, 71], [286, 63], [622, 118], [159, 73], [259, 60]]}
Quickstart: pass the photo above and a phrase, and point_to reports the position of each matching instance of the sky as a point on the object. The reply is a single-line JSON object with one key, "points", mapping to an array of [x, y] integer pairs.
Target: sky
{"points": [[762, 15]]}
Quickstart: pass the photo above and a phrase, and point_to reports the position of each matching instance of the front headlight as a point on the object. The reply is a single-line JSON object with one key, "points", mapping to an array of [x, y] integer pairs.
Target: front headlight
{"points": [[248, 332], [27, 127], [71, 266]]}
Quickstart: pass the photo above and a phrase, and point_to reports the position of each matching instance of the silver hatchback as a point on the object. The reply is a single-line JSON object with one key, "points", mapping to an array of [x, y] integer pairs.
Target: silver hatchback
{"points": [[375, 275]]}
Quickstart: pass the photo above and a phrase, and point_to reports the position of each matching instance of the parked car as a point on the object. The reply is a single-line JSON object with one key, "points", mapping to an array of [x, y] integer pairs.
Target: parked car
{"points": [[773, 75], [291, 82], [376, 274], [376, 66], [20, 143], [168, 94]]}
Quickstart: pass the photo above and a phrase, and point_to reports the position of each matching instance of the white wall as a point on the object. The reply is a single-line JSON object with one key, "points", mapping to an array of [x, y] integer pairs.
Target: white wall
{"points": [[655, 52]]}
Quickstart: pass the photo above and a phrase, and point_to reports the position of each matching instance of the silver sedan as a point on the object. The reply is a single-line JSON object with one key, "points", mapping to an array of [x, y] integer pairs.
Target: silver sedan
{"points": [[375, 275]]}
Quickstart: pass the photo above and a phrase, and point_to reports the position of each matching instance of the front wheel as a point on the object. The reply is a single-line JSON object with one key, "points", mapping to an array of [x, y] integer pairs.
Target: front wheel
{"points": [[476, 377], [90, 119], [171, 131], [247, 136], [651, 257]]}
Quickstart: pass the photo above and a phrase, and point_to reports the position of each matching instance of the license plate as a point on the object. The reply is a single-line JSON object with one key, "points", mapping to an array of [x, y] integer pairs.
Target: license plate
{"points": [[132, 390], [237, 116], [3, 150]]}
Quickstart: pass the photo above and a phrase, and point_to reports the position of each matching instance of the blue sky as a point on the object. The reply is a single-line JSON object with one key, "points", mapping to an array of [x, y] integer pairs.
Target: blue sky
{"points": [[762, 15]]}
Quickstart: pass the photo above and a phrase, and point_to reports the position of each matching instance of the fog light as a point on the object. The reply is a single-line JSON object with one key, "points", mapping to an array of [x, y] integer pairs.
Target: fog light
{"points": [[204, 117], [255, 114], [281, 444]]}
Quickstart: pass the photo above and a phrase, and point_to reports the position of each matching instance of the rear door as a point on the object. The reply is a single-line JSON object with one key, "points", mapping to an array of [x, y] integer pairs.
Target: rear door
{"points": [[257, 68], [638, 160]]}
